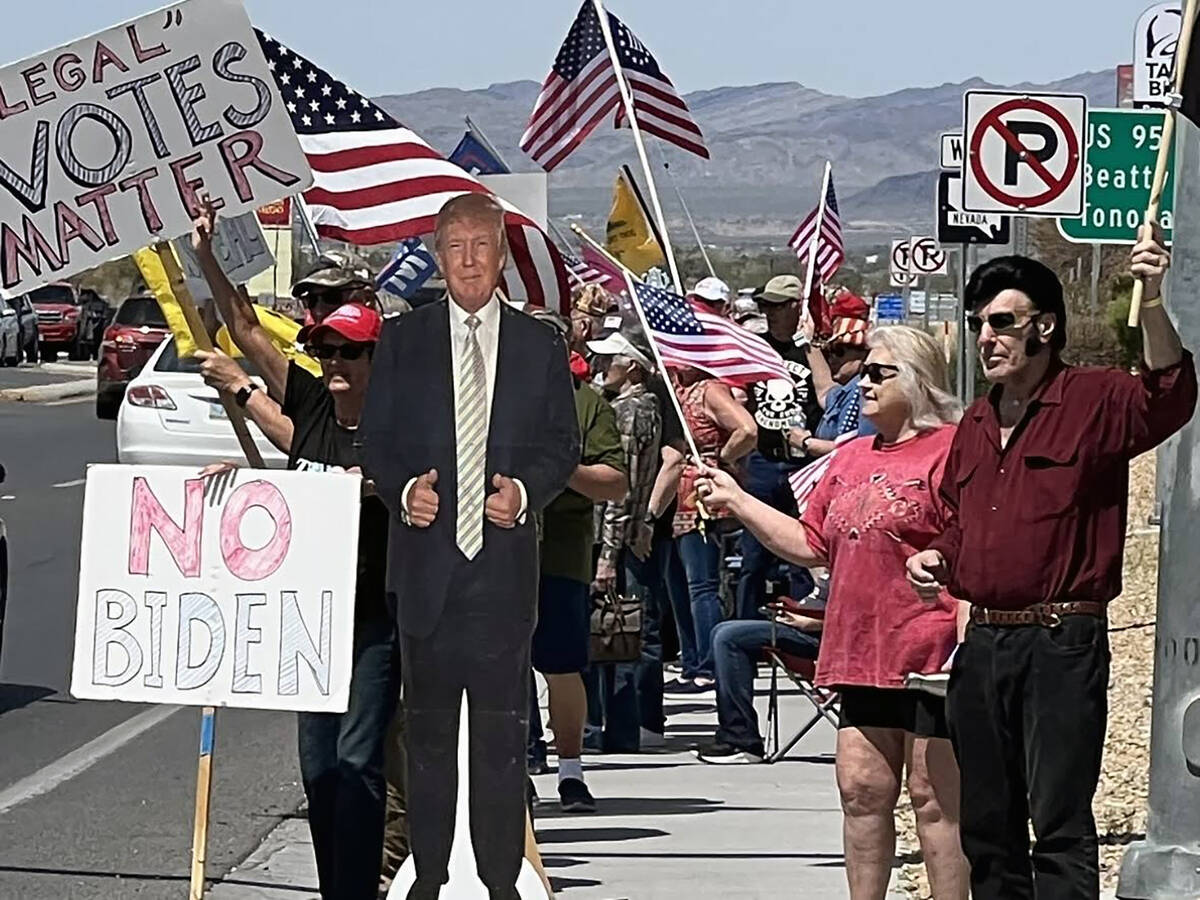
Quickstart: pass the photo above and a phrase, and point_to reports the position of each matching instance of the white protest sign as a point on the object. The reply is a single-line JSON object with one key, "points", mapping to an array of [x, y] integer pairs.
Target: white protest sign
{"points": [[105, 142], [1154, 39], [1025, 153], [239, 246], [244, 597]]}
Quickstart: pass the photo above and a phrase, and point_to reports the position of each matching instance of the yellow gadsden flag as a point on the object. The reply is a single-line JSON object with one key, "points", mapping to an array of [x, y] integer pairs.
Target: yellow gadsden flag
{"points": [[630, 238]]}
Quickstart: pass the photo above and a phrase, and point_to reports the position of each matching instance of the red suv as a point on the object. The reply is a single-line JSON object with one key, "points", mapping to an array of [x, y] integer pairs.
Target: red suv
{"points": [[129, 342], [58, 311]]}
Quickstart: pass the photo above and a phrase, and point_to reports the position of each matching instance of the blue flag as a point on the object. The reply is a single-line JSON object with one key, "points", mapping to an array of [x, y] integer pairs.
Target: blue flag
{"points": [[474, 156], [410, 267]]}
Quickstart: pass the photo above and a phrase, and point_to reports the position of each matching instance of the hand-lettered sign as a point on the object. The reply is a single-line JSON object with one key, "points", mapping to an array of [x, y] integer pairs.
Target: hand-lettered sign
{"points": [[105, 142], [217, 592]]}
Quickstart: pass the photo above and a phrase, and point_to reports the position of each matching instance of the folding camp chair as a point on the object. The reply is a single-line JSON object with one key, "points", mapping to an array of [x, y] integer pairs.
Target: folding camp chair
{"points": [[802, 673]]}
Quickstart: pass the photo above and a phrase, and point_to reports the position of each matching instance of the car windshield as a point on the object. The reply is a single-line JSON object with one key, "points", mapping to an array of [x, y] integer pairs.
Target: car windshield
{"points": [[169, 361], [53, 293], [141, 311]]}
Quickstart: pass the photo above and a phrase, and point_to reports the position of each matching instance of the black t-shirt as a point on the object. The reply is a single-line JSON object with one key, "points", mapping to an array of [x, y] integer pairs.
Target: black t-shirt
{"points": [[672, 435], [319, 444], [778, 406]]}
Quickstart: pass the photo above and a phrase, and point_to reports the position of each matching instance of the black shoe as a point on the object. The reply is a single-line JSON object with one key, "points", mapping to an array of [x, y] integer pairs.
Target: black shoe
{"points": [[718, 753], [679, 687], [575, 797], [503, 894]]}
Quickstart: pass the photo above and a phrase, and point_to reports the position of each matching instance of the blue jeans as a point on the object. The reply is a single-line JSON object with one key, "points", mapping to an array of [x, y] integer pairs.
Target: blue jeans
{"points": [[672, 580], [341, 765], [737, 647], [766, 480], [701, 558]]}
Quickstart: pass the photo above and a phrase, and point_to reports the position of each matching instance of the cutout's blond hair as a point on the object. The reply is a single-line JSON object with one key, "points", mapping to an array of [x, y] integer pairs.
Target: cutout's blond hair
{"points": [[473, 207]]}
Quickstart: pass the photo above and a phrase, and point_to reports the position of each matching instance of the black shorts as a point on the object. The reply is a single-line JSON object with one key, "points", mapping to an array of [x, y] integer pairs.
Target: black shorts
{"points": [[562, 641], [917, 712]]}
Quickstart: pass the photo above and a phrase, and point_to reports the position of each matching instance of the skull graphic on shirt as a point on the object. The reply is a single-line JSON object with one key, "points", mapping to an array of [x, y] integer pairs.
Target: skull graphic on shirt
{"points": [[779, 403]]}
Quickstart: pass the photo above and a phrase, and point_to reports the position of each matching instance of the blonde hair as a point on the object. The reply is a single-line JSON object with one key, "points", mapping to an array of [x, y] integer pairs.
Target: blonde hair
{"points": [[924, 375]]}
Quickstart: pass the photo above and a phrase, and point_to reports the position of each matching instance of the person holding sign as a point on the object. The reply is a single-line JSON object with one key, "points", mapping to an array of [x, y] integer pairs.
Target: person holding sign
{"points": [[341, 755], [1036, 489], [469, 430]]}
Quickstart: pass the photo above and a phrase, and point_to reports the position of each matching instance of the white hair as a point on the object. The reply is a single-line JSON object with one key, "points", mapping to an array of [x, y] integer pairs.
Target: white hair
{"points": [[924, 375]]}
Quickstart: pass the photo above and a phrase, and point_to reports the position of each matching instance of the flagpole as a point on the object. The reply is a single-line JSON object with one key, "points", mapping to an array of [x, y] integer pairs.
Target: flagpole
{"points": [[688, 213], [487, 145], [631, 113], [641, 314], [1165, 145], [310, 228], [816, 240]]}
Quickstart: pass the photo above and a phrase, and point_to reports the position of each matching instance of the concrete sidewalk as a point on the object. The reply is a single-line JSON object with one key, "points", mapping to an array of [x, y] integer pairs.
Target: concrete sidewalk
{"points": [[668, 826]]}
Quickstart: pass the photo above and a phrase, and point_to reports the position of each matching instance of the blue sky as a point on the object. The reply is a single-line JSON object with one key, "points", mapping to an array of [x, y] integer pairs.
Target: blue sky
{"points": [[844, 47]]}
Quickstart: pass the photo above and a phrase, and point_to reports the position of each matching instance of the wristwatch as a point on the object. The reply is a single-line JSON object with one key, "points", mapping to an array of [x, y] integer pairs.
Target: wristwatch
{"points": [[242, 397], [804, 445]]}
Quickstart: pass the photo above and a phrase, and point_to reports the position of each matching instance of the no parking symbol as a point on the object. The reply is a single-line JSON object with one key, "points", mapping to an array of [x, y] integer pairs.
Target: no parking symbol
{"points": [[1024, 153]]}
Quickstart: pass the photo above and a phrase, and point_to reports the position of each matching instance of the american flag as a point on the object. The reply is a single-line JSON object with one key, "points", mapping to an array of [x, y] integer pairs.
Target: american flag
{"points": [[581, 90], [582, 272], [377, 181], [607, 274], [410, 267], [831, 251], [688, 335], [804, 481]]}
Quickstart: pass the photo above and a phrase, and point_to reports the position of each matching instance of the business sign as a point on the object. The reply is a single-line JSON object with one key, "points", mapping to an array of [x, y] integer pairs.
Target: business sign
{"points": [[1154, 40], [216, 593], [1025, 153], [239, 246], [952, 151], [1122, 153], [889, 308], [105, 142], [957, 226]]}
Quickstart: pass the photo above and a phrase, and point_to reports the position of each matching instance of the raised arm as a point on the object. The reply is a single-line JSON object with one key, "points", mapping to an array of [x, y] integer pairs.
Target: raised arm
{"points": [[236, 310]]}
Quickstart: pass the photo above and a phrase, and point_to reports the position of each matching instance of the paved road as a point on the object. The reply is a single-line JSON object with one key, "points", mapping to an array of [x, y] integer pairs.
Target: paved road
{"points": [[27, 375], [113, 819]]}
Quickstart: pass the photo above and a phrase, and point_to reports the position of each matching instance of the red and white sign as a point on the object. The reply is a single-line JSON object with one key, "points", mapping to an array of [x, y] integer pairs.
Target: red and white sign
{"points": [[1025, 153]]}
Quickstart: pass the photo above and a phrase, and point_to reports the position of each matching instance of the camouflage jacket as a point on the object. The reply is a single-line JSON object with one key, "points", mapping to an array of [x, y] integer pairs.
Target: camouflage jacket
{"points": [[639, 422]]}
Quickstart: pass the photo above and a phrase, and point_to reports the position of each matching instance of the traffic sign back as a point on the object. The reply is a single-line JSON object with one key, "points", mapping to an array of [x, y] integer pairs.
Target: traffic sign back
{"points": [[957, 226]]}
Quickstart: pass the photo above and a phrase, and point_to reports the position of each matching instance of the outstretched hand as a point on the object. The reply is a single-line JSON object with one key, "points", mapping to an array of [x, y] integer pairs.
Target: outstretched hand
{"points": [[717, 489]]}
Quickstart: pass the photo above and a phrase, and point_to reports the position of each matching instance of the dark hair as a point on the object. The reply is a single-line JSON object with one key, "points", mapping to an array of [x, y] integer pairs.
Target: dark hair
{"points": [[1020, 273]]}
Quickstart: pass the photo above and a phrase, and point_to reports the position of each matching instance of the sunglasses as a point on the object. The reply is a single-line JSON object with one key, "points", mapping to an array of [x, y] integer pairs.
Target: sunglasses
{"points": [[344, 351], [998, 321], [878, 373], [328, 296]]}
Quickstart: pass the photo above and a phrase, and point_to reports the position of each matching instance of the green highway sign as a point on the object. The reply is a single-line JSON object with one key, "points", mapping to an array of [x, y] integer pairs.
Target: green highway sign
{"points": [[1122, 151]]}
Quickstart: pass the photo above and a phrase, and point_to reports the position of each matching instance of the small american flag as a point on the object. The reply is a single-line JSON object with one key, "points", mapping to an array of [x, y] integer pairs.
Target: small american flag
{"points": [[689, 336], [377, 181], [607, 274], [582, 272], [831, 251], [410, 267], [581, 90], [804, 481]]}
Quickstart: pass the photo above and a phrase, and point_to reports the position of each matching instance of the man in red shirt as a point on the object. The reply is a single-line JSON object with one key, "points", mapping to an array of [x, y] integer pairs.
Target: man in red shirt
{"points": [[1037, 487]]}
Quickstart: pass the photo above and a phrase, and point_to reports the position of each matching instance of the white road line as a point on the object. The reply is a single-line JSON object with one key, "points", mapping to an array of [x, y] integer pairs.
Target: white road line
{"points": [[66, 484], [79, 761]]}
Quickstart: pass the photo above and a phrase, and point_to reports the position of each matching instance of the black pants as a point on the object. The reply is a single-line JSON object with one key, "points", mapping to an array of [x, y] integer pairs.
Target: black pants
{"points": [[1027, 709], [480, 646]]}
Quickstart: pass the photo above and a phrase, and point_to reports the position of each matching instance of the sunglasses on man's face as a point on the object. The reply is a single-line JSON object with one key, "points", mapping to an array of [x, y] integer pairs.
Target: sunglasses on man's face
{"points": [[878, 373], [344, 351], [329, 297], [998, 321]]}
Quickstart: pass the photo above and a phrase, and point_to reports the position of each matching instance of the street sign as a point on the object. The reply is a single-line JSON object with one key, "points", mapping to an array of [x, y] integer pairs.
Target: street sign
{"points": [[1122, 150], [889, 308], [898, 267], [926, 257], [1025, 153], [952, 151], [1154, 40], [956, 226]]}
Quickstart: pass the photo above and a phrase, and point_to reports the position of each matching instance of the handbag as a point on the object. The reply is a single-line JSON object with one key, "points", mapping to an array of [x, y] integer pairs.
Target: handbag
{"points": [[616, 628]]}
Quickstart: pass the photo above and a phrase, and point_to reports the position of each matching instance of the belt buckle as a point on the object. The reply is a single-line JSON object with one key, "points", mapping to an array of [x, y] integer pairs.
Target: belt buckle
{"points": [[1051, 619]]}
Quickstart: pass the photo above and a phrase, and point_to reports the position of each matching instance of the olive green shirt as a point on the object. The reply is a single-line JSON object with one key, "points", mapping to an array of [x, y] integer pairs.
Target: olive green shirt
{"points": [[568, 523]]}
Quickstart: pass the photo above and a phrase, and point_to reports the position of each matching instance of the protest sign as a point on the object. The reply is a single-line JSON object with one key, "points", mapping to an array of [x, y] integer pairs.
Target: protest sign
{"points": [[106, 142], [212, 593], [239, 246]]}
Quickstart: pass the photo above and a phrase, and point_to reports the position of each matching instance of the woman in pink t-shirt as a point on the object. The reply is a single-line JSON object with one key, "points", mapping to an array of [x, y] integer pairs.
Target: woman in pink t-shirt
{"points": [[875, 506]]}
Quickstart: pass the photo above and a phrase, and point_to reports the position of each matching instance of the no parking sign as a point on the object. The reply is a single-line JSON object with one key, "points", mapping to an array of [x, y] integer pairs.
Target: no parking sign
{"points": [[1025, 153]]}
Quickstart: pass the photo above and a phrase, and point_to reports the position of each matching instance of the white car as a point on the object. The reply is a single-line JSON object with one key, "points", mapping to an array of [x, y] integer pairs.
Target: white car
{"points": [[10, 334], [171, 417]]}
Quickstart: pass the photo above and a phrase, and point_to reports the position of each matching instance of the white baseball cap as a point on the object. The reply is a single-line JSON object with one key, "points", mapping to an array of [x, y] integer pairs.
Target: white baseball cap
{"points": [[616, 344], [712, 289]]}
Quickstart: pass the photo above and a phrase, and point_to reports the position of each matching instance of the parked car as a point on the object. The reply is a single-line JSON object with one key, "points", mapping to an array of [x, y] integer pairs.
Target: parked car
{"points": [[10, 335], [27, 322], [171, 417], [137, 329], [58, 312]]}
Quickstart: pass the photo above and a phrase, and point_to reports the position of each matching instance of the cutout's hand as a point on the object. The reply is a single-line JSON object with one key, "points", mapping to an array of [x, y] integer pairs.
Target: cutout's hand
{"points": [[423, 500], [503, 507]]}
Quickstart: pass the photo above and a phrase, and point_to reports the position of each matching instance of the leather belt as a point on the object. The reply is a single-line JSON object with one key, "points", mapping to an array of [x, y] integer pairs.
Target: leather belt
{"points": [[1048, 615]]}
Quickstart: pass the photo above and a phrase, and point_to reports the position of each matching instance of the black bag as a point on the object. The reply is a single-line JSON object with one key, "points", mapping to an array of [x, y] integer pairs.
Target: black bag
{"points": [[616, 629]]}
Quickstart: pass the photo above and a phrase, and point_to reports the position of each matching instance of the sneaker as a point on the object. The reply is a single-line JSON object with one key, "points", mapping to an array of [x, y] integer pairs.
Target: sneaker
{"points": [[704, 685], [651, 740], [718, 753], [680, 687], [575, 797]]}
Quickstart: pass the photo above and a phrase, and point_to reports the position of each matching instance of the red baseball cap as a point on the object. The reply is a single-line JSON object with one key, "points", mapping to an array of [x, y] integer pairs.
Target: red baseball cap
{"points": [[353, 321]]}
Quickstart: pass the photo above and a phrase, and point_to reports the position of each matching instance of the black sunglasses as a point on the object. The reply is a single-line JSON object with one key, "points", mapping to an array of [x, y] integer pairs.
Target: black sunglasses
{"points": [[878, 373], [999, 321], [328, 296], [345, 351]]}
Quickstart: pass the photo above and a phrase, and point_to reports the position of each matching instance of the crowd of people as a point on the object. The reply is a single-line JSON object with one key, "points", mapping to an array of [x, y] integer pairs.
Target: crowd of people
{"points": [[545, 461]]}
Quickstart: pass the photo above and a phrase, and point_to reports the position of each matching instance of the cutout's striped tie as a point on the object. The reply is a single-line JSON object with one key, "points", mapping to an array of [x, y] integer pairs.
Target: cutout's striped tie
{"points": [[470, 426]]}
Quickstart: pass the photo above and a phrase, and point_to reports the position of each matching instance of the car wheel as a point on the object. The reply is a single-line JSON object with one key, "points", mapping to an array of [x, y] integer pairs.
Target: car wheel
{"points": [[107, 405], [45, 354]]}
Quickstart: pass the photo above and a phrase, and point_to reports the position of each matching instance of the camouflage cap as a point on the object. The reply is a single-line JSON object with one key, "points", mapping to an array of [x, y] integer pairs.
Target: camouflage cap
{"points": [[335, 269]]}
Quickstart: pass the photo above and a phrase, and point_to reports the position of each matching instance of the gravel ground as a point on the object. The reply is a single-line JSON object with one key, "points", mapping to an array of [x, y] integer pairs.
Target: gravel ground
{"points": [[1120, 804]]}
